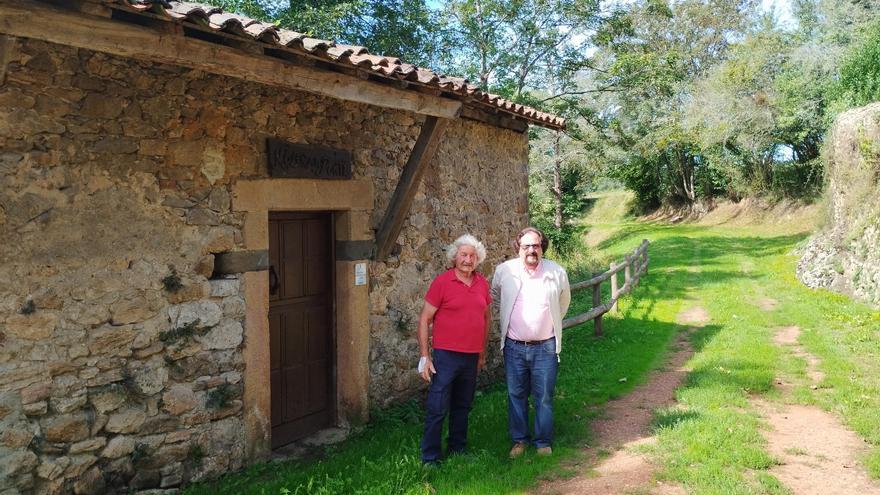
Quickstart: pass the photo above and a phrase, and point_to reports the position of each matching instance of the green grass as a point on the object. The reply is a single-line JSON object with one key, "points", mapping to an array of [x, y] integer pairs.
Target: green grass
{"points": [[710, 443]]}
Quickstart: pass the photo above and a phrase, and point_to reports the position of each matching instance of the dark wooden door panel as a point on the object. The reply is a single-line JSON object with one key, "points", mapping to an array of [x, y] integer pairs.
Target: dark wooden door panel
{"points": [[301, 325], [292, 260]]}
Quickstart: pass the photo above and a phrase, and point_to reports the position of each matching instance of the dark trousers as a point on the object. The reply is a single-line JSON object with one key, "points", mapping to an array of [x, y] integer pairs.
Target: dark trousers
{"points": [[452, 390]]}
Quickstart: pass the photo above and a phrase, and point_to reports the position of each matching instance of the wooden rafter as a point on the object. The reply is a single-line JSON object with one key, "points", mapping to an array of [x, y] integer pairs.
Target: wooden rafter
{"points": [[398, 208]]}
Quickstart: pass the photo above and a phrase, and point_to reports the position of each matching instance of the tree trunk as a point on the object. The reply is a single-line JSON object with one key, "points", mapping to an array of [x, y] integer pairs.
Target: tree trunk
{"points": [[557, 181], [687, 176]]}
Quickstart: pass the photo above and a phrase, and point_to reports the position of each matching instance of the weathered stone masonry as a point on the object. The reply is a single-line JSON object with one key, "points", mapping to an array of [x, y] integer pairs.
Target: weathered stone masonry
{"points": [[119, 179]]}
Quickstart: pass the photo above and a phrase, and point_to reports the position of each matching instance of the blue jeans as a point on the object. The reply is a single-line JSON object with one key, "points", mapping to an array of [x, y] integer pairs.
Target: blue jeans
{"points": [[531, 370], [452, 389]]}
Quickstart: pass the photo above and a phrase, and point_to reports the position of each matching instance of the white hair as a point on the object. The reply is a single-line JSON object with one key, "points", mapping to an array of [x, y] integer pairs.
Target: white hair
{"points": [[466, 240]]}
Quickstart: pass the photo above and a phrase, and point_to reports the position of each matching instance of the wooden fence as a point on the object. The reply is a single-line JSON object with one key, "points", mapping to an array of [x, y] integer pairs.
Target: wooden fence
{"points": [[634, 265]]}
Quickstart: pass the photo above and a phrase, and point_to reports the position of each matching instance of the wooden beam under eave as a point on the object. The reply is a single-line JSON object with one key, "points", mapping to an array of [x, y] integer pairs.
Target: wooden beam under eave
{"points": [[29, 19], [498, 120], [398, 209]]}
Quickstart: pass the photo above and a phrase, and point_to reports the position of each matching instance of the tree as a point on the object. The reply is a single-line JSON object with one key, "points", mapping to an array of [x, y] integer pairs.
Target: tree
{"points": [[651, 58], [514, 47], [407, 29]]}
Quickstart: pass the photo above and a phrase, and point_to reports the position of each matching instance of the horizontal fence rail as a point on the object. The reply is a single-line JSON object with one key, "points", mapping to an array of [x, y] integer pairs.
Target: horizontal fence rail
{"points": [[634, 265]]}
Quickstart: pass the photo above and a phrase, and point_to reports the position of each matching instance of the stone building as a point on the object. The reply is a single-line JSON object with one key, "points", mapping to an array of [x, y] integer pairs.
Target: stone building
{"points": [[216, 235]]}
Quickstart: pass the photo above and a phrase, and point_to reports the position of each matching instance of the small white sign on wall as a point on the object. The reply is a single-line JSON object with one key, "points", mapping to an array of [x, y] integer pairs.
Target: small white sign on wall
{"points": [[360, 274]]}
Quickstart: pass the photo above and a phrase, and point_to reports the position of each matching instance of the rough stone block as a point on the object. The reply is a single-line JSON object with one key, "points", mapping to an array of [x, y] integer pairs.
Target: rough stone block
{"points": [[233, 307], [18, 462], [150, 379], [118, 447], [180, 399], [65, 405], [225, 287], [204, 266], [37, 326], [191, 292], [206, 312], [102, 106], [88, 445], [36, 408], [172, 475], [52, 469], [134, 310], [90, 483], [111, 340], [126, 421], [202, 216], [219, 240], [161, 423], [67, 429], [15, 438], [227, 335], [149, 351], [36, 392]]}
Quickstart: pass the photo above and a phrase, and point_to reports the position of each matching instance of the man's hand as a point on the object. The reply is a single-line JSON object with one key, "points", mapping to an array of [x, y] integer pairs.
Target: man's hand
{"points": [[481, 363], [427, 370]]}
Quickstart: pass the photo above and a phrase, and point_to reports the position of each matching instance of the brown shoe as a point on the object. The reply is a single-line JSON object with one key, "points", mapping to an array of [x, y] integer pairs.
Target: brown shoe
{"points": [[545, 451], [517, 450]]}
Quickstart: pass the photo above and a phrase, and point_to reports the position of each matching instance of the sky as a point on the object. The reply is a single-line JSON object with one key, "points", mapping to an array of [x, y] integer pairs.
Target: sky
{"points": [[782, 9]]}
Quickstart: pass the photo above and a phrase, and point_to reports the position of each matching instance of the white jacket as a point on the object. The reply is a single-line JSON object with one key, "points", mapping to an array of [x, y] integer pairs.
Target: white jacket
{"points": [[506, 285]]}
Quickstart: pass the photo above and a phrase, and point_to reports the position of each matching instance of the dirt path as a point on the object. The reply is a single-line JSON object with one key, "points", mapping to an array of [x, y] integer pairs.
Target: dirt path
{"points": [[816, 453], [625, 425]]}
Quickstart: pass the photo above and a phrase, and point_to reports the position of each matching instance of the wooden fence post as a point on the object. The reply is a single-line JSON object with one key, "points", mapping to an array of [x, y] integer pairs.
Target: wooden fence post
{"points": [[613, 286], [635, 267], [632, 261], [597, 301]]}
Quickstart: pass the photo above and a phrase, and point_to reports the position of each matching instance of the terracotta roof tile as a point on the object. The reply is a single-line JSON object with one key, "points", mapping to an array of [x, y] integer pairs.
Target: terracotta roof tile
{"points": [[215, 19]]}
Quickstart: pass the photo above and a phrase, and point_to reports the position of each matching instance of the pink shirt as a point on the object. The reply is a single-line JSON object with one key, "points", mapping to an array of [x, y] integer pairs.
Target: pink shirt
{"points": [[530, 319]]}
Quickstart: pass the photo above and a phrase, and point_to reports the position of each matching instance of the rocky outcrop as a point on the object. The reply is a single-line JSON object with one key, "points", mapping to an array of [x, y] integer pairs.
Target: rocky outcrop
{"points": [[844, 255]]}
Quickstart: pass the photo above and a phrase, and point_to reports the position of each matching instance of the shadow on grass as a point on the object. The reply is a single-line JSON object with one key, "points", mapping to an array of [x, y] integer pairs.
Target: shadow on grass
{"points": [[670, 418], [739, 374], [681, 264]]}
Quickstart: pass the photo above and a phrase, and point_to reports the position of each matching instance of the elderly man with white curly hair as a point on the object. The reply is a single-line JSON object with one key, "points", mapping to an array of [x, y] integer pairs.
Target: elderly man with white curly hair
{"points": [[457, 313]]}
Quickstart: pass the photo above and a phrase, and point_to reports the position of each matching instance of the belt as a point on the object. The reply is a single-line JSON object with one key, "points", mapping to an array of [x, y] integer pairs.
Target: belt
{"points": [[530, 342]]}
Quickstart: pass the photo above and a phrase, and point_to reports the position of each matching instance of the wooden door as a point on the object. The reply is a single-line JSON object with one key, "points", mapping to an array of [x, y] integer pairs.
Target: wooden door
{"points": [[301, 324]]}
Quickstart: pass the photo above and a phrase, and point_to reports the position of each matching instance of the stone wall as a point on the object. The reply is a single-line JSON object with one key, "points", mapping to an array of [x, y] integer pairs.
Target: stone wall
{"points": [[844, 255], [120, 357]]}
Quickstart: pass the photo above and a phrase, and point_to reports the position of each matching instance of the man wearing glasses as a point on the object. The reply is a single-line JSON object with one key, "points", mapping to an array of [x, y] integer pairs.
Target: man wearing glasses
{"points": [[533, 295]]}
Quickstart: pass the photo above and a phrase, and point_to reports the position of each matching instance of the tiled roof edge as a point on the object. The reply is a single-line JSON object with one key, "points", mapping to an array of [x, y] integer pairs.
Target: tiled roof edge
{"points": [[355, 57]]}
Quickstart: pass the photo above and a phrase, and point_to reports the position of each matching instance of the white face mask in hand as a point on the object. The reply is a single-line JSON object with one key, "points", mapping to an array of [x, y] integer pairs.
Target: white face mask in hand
{"points": [[422, 361]]}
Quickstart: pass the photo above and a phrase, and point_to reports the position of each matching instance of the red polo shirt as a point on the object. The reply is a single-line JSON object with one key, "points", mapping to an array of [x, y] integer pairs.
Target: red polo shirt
{"points": [[459, 323]]}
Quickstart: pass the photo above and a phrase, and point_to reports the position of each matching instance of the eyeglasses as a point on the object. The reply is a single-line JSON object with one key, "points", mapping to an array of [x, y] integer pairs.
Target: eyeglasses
{"points": [[526, 247]]}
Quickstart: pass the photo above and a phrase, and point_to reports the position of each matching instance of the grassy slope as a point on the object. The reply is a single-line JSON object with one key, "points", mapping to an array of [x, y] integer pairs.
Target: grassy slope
{"points": [[710, 444]]}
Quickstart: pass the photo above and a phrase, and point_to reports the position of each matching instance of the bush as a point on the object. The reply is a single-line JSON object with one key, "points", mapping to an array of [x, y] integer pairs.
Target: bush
{"points": [[796, 180], [859, 82]]}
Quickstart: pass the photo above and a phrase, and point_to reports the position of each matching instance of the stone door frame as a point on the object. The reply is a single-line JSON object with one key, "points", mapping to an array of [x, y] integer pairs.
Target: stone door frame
{"points": [[351, 202]]}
